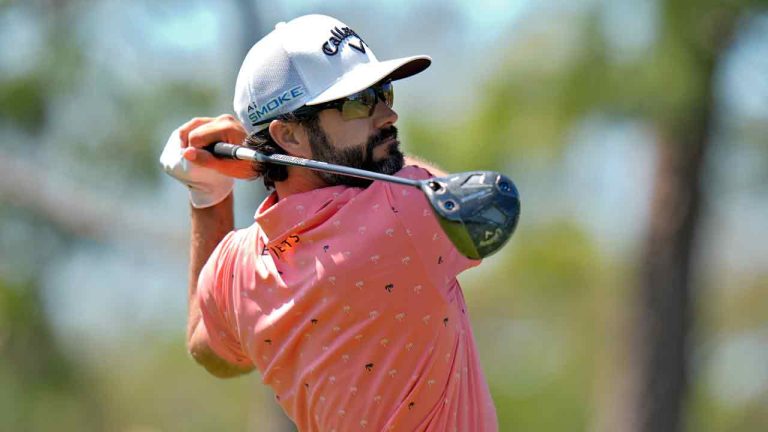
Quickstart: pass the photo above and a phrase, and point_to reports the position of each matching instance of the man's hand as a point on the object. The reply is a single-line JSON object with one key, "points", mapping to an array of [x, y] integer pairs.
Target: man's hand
{"points": [[209, 179], [202, 131]]}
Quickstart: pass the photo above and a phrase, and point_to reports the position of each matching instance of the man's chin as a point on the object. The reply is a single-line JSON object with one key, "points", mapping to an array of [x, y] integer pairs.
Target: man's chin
{"points": [[391, 164]]}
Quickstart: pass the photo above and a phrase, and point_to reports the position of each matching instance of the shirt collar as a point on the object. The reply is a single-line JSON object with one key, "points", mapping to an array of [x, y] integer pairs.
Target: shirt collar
{"points": [[301, 211]]}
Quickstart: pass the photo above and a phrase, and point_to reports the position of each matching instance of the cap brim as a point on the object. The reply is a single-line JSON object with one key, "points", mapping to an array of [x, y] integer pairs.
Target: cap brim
{"points": [[369, 74]]}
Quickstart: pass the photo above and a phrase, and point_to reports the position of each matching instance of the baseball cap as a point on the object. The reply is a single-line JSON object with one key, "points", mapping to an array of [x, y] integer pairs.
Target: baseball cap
{"points": [[307, 61]]}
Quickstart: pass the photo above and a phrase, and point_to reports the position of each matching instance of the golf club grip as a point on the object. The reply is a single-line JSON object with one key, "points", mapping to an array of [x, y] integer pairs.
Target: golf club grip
{"points": [[222, 150]]}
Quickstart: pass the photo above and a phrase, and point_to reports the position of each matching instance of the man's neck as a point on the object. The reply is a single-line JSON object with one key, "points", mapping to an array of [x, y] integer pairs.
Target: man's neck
{"points": [[299, 180]]}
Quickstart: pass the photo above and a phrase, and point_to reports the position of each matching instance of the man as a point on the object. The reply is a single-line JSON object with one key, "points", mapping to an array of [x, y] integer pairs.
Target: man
{"points": [[343, 293]]}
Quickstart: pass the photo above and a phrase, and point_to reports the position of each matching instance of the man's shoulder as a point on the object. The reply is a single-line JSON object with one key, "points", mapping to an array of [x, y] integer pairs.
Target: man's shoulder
{"points": [[242, 237], [414, 172]]}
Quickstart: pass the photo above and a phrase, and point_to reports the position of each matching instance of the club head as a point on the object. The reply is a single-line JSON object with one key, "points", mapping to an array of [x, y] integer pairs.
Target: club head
{"points": [[478, 210]]}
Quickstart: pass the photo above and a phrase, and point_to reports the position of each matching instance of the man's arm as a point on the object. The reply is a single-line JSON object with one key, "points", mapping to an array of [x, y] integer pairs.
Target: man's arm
{"points": [[209, 226], [209, 223]]}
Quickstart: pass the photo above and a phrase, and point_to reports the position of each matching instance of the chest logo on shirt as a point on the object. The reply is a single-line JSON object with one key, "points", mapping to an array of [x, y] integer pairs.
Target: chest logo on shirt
{"points": [[281, 248]]}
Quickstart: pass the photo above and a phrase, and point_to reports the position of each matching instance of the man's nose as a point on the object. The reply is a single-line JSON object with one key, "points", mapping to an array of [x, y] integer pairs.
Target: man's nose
{"points": [[384, 116]]}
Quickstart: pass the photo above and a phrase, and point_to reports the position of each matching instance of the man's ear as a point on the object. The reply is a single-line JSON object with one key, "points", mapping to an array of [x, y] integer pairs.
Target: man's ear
{"points": [[291, 137]]}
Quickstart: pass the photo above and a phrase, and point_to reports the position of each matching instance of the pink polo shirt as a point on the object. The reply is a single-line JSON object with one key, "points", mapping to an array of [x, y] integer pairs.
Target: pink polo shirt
{"points": [[346, 301]]}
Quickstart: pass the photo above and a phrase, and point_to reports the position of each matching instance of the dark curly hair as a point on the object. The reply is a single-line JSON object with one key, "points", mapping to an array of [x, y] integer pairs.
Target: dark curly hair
{"points": [[263, 142]]}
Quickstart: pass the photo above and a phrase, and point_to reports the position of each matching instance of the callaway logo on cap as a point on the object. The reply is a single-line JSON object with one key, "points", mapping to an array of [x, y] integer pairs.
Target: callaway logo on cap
{"points": [[307, 61]]}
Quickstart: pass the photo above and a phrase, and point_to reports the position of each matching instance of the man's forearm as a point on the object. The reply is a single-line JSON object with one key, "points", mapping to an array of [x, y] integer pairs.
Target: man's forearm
{"points": [[209, 225]]}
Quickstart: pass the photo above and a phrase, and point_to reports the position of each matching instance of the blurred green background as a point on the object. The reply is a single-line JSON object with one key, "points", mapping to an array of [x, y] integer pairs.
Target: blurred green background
{"points": [[633, 297]]}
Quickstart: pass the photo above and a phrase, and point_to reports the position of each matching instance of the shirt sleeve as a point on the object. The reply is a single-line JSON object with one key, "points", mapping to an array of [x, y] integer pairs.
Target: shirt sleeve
{"points": [[419, 219], [216, 290]]}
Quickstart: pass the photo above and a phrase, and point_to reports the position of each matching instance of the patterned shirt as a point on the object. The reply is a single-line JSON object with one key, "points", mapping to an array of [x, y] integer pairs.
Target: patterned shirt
{"points": [[346, 301]]}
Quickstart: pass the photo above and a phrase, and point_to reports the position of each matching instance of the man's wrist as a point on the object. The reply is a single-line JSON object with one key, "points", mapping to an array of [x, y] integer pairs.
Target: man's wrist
{"points": [[210, 194]]}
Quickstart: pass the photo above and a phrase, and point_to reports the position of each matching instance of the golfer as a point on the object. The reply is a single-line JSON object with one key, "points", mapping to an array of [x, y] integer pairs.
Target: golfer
{"points": [[343, 292]]}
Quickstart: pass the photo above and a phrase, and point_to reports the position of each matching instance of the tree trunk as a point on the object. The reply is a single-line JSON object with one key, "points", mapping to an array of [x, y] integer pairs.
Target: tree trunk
{"points": [[663, 320]]}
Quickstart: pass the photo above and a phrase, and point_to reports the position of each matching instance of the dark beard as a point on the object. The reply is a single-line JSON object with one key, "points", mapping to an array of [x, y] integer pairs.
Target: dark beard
{"points": [[356, 157]]}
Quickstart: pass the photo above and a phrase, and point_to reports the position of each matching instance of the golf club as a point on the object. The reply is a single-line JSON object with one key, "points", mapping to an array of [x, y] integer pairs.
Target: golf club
{"points": [[478, 210]]}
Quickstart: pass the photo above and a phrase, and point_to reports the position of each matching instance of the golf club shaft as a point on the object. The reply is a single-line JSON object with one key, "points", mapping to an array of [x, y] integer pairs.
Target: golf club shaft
{"points": [[232, 151]]}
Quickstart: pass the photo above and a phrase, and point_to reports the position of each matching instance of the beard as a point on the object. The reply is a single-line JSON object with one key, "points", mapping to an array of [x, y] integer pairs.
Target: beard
{"points": [[360, 156]]}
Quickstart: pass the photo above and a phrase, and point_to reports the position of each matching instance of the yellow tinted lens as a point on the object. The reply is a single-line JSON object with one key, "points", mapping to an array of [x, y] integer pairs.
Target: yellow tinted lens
{"points": [[355, 109]]}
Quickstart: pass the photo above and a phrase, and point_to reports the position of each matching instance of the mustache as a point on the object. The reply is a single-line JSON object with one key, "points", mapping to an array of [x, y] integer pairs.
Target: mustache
{"points": [[382, 136]]}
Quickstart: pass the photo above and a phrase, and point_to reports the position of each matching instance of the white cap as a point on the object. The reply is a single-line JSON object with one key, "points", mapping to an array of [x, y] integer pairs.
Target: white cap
{"points": [[307, 61]]}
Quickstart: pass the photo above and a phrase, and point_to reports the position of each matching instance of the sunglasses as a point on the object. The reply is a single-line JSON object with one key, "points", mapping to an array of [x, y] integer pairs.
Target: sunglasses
{"points": [[357, 106]]}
